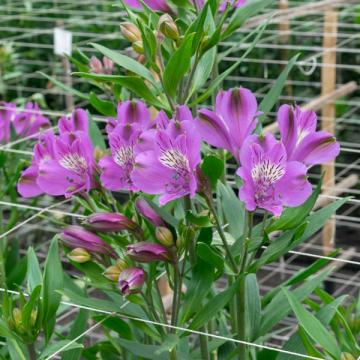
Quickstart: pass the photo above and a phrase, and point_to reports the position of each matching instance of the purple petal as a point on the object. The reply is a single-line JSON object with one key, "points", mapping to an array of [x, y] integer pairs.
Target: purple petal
{"points": [[183, 113], [27, 185], [149, 175], [288, 127], [293, 187], [213, 130], [238, 109], [130, 112], [317, 148]]}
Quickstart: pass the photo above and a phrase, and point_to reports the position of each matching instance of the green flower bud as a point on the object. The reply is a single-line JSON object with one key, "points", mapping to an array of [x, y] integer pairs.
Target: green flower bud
{"points": [[112, 273], [130, 32], [168, 27], [138, 47], [165, 236], [79, 255]]}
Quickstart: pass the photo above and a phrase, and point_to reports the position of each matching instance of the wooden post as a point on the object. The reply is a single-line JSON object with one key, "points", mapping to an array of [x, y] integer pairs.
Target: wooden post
{"points": [[284, 37], [328, 112]]}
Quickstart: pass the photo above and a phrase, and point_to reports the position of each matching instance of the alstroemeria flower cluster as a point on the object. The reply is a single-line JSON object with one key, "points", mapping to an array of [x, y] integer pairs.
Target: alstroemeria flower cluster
{"points": [[25, 123], [63, 164], [274, 173]]}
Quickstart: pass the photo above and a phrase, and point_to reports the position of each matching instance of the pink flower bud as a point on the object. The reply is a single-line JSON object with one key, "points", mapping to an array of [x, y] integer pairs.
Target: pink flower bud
{"points": [[77, 237], [108, 222], [131, 281], [108, 65], [147, 252], [147, 212], [96, 66]]}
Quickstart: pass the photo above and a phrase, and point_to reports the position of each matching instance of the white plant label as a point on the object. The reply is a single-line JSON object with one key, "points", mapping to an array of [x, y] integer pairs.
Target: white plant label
{"points": [[62, 42]]}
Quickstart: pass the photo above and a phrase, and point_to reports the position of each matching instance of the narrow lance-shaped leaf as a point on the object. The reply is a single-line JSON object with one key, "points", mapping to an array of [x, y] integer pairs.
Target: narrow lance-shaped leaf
{"points": [[178, 66], [313, 327]]}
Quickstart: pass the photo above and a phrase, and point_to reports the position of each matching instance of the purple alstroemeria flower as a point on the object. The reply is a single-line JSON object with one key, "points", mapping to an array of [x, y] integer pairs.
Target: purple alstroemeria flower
{"points": [[270, 181], [131, 112], [7, 116], [146, 252], [108, 222], [156, 5], [234, 118], [104, 67], [30, 121], [43, 151], [302, 142], [131, 280], [77, 121], [73, 167], [148, 212], [233, 3], [116, 168], [63, 164], [168, 167], [77, 237]]}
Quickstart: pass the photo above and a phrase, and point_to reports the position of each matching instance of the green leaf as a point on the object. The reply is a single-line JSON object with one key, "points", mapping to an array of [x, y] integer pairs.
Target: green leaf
{"points": [[252, 305], [126, 62], [142, 350], [213, 306], [104, 107], [313, 327], [243, 13], [219, 79], [202, 72], [209, 255], [293, 217], [198, 287], [133, 83], [198, 220], [233, 209], [30, 305], [78, 327], [61, 344], [34, 275], [64, 87], [169, 343], [273, 95], [96, 136], [278, 308], [165, 215], [100, 304], [17, 350], [116, 324], [53, 283], [213, 168], [177, 66]]}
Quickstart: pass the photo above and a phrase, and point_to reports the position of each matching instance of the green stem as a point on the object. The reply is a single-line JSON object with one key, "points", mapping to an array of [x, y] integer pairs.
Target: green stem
{"points": [[32, 352], [204, 348], [163, 311], [176, 296], [222, 234], [241, 293]]}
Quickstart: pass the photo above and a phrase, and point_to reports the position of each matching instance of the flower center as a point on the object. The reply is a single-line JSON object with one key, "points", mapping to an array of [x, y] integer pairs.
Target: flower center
{"points": [[74, 162], [177, 161], [124, 156], [267, 172]]}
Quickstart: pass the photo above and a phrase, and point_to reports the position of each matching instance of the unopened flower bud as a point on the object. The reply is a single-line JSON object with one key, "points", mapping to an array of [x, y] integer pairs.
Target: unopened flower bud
{"points": [[347, 356], [131, 280], [165, 236], [109, 222], [138, 46], [121, 264], [79, 255], [17, 316], [33, 317], [180, 242], [108, 65], [130, 31], [96, 65], [168, 27], [147, 252], [77, 237], [112, 273], [147, 212]]}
